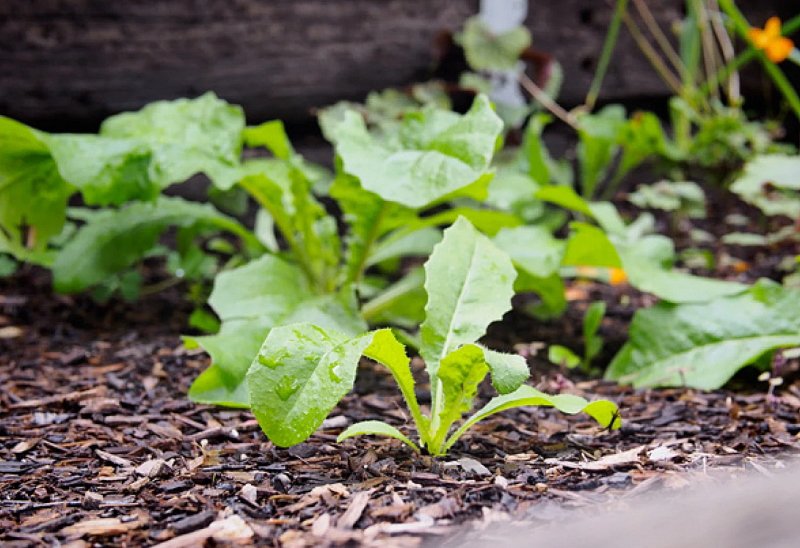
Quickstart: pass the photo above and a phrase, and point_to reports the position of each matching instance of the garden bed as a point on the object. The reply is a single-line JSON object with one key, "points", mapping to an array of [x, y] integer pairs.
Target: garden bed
{"points": [[98, 442]]}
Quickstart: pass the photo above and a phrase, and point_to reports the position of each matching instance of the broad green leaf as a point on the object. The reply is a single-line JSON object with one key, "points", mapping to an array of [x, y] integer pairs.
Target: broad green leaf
{"points": [[703, 345], [603, 411], [268, 287], [32, 192], [532, 248], [185, 137], [270, 135], [376, 428], [114, 240], [250, 300], [488, 51], [298, 377], [514, 191], [675, 286], [434, 154], [588, 245], [509, 371], [460, 372], [563, 356], [469, 282], [107, 171], [772, 183]]}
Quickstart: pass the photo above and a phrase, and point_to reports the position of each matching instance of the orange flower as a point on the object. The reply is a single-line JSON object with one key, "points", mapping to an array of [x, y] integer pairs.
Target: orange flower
{"points": [[617, 276], [770, 41]]}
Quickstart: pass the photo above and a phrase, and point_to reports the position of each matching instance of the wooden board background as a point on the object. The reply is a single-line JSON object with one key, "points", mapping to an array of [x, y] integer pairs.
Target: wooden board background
{"points": [[66, 64]]}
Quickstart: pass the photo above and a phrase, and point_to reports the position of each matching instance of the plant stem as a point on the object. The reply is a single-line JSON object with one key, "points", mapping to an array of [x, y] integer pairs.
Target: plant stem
{"points": [[298, 251], [396, 292], [660, 37], [652, 55], [547, 102], [609, 44], [357, 271]]}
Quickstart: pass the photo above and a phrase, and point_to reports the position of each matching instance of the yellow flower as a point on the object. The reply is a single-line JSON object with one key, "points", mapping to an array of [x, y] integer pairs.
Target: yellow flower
{"points": [[770, 41]]}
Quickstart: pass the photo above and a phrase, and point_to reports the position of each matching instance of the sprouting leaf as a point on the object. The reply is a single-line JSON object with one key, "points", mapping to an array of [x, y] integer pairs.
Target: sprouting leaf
{"points": [[488, 51], [434, 154], [460, 372], [563, 356], [509, 371], [703, 345], [114, 240], [772, 183], [469, 283], [591, 324], [385, 349], [375, 428], [185, 136], [599, 137], [603, 411], [298, 376]]}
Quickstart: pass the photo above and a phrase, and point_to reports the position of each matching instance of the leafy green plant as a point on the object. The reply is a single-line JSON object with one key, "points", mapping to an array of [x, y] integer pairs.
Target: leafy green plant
{"points": [[133, 158], [303, 370], [592, 342], [703, 345], [384, 185]]}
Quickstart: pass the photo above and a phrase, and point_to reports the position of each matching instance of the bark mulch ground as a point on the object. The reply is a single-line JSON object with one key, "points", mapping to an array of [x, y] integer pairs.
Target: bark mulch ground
{"points": [[99, 445]]}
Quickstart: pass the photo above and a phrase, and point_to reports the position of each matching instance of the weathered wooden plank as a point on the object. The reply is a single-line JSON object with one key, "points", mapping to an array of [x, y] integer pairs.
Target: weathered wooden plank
{"points": [[66, 64]]}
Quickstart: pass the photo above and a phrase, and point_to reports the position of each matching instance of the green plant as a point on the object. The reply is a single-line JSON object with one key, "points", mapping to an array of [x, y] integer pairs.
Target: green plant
{"points": [[711, 132], [303, 370], [592, 342], [134, 157], [703, 345], [386, 182]]}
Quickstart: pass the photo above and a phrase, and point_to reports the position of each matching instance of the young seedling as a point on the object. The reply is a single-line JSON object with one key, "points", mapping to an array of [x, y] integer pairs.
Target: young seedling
{"points": [[302, 370], [592, 342]]}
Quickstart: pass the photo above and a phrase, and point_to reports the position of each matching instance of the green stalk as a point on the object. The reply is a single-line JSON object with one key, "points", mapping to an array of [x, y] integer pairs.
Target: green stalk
{"points": [[609, 44], [778, 78], [393, 294], [355, 274], [297, 250]]}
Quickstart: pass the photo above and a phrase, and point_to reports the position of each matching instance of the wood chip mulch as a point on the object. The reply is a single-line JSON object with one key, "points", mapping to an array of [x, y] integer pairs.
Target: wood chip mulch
{"points": [[99, 445]]}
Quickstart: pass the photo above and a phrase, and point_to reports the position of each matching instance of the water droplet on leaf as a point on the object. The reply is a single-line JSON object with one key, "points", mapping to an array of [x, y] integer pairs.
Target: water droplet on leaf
{"points": [[267, 361], [286, 387]]}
